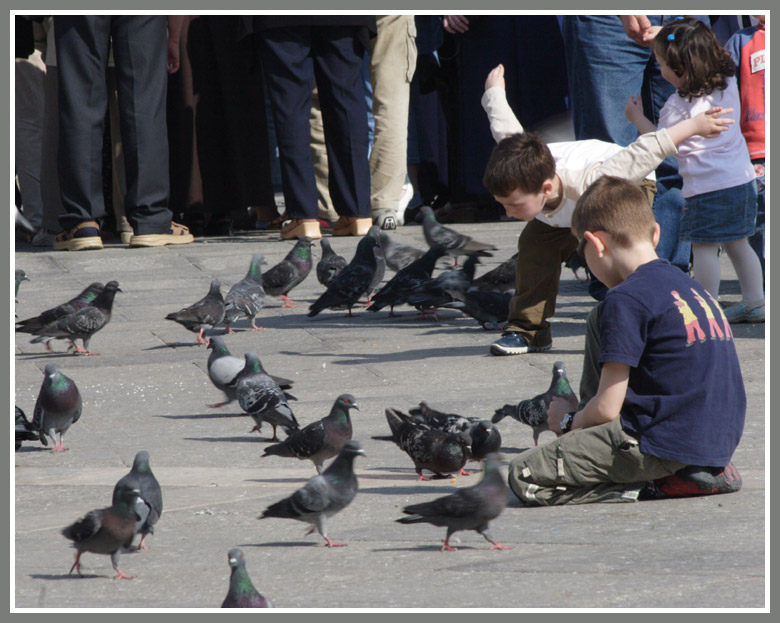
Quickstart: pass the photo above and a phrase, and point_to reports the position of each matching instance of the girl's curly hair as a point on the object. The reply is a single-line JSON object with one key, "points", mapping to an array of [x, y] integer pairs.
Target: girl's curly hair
{"points": [[693, 53]]}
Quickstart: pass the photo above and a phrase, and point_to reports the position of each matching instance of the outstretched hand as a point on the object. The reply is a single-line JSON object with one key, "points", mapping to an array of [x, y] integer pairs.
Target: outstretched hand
{"points": [[639, 29], [634, 109], [710, 124], [495, 78], [455, 24]]}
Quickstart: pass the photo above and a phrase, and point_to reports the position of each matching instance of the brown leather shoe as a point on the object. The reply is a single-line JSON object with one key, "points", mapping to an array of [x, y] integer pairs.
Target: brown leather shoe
{"points": [[300, 227], [352, 226]]}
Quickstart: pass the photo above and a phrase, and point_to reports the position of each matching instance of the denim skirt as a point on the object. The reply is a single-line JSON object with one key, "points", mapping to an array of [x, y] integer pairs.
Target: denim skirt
{"points": [[721, 215]]}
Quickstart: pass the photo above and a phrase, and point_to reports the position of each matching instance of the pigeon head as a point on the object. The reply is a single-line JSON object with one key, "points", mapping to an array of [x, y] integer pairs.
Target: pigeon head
{"points": [[213, 288], [302, 249], [141, 461], [428, 213], [365, 247], [353, 448], [485, 425], [217, 344], [112, 286], [252, 363], [325, 244], [258, 260], [347, 401], [51, 370], [21, 275], [236, 558]]}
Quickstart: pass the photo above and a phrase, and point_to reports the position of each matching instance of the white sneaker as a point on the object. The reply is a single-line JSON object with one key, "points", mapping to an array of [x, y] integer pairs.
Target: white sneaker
{"points": [[403, 202]]}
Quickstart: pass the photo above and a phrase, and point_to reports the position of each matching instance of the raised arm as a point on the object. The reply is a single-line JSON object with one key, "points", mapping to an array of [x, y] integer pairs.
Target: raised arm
{"points": [[502, 120]]}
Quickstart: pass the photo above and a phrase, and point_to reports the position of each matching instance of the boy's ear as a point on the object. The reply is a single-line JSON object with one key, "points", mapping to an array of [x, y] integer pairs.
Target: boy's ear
{"points": [[656, 235], [547, 187], [598, 241]]}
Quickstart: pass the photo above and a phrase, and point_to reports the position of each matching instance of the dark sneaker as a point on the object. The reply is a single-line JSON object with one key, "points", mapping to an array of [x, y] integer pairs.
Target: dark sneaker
{"points": [[176, 234], [82, 237], [693, 481], [512, 343]]}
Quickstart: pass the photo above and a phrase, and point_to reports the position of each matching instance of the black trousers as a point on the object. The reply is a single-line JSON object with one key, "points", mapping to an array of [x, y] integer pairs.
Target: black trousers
{"points": [[293, 59], [140, 47]]}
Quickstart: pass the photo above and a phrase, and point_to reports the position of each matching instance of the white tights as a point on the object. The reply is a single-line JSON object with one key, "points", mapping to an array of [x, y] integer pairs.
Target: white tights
{"points": [[706, 267]]}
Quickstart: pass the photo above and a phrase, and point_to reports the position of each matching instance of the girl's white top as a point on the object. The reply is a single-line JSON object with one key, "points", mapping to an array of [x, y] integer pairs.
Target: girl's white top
{"points": [[709, 164]]}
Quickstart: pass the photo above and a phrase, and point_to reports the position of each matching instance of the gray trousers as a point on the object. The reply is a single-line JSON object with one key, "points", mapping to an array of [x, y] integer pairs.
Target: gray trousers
{"points": [[597, 464]]}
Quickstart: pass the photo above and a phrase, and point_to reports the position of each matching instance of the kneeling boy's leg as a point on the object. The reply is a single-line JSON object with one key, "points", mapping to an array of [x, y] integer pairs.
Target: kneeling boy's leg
{"points": [[598, 464]]}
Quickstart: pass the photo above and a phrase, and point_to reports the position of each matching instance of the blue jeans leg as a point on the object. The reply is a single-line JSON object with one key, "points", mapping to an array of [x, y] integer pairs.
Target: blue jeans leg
{"points": [[757, 239]]}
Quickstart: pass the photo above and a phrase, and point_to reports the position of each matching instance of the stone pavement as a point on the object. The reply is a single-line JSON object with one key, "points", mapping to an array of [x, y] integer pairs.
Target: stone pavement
{"points": [[148, 389]]}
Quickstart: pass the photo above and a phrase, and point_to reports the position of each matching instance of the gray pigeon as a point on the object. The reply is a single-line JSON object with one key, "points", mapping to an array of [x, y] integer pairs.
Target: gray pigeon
{"points": [[224, 370], [470, 508], [431, 449], [262, 398], [481, 435], [324, 495], [455, 243], [19, 276], [533, 411], [490, 309], [247, 297], [149, 504], [24, 429], [81, 324], [106, 530], [202, 315], [242, 593], [443, 288], [330, 265], [398, 255], [84, 298], [57, 407], [320, 440], [485, 439], [346, 288], [501, 278], [397, 290], [281, 278], [379, 273]]}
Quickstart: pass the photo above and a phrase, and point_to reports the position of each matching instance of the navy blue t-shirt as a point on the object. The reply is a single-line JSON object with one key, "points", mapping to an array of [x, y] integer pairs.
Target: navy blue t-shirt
{"points": [[685, 397]]}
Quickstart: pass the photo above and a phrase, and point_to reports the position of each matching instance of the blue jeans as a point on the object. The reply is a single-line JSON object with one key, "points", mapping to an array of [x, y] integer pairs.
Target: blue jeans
{"points": [[605, 68], [757, 239]]}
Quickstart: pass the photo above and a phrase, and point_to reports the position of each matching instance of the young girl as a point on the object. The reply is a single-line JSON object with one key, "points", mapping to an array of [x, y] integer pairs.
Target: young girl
{"points": [[718, 177]]}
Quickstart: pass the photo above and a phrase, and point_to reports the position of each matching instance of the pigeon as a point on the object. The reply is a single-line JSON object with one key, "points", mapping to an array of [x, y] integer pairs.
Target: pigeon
{"points": [[533, 411], [19, 276], [398, 255], [106, 530], [262, 398], [444, 287], [470, 508], [247, 297], [379, 274], [202, 315], [324, 495], [574, 262], [24, 429], [320, 440], [84, 298], [330, 265], [396, 291], [81, 324], [57, 407], [501, 278], [346, 288], [149, 504], [455, 243], [291, 271], [485, 439], [242, 593], [224, 369], [431, 449], [489, 309]]}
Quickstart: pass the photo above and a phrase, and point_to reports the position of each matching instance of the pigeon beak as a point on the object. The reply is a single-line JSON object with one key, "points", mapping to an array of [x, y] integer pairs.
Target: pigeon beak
{"points": [[354, 406], [361, 452]]}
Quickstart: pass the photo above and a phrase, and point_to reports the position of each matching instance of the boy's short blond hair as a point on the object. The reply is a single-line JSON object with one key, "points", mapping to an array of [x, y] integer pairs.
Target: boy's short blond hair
{"points": [[519, 162], [616, 206]]}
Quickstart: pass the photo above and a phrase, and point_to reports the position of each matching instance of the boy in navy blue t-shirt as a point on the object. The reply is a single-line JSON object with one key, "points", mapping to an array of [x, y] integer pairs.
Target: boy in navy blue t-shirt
{"points": [[666, 411]]}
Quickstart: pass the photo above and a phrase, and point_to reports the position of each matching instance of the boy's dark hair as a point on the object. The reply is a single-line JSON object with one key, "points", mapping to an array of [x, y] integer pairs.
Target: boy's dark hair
{"points": [[693, 53], [616, 206], [520, 161]]}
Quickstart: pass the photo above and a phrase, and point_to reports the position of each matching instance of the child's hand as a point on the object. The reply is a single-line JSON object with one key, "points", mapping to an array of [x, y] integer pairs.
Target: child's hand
{"points": [[496, 78], [710, 124], [557, 409], [634, 109]]}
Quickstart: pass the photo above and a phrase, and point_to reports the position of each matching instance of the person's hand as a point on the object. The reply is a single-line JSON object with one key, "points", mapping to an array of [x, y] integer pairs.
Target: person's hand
{"points": [[710, 124], [455, 24], [634, 109], [174, 56], [639, 29], [495, 78], [557, 409]]}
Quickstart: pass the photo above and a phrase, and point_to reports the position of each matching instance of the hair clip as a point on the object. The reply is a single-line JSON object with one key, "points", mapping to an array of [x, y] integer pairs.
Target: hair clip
{"points": [[670, 37], [679, 17]]}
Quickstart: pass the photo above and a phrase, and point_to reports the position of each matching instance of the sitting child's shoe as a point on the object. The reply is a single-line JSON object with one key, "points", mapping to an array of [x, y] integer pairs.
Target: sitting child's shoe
{"points": [[513, 343], [300, 227], [352, 226], [83, 237], [693, 481], [740, 312], [176, 234]]}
